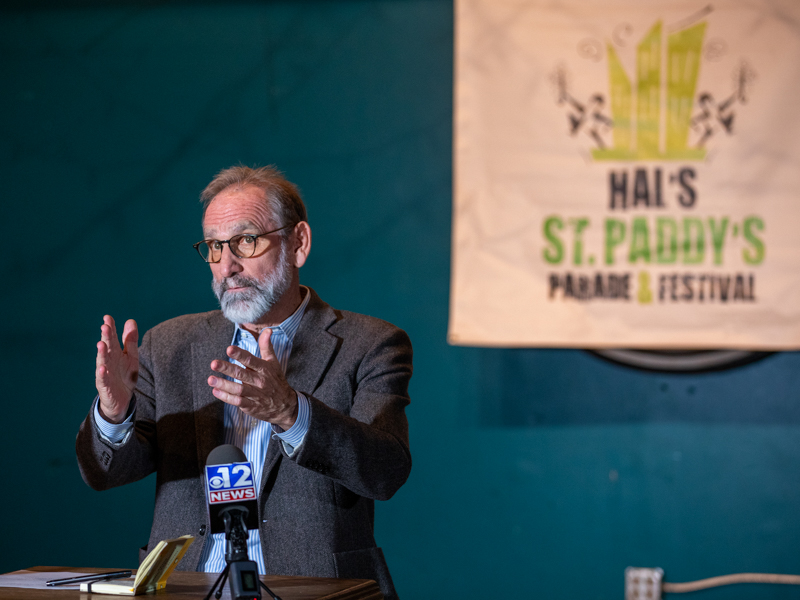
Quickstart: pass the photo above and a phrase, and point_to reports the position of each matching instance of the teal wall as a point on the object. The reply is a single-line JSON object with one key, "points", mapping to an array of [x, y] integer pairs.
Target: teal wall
{"points": [[537, 473]]}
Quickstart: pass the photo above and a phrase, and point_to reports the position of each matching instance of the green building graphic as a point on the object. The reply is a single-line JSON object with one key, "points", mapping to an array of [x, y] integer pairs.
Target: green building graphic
{"points": [[640, 132]]}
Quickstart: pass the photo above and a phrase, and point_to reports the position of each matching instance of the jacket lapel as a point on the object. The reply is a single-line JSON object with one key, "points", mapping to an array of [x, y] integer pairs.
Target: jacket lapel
{"points": [[313, 348], [208, 411]]}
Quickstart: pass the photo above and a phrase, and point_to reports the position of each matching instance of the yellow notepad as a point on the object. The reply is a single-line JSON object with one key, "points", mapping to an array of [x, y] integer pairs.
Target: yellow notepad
{"points": [[153, 572]]}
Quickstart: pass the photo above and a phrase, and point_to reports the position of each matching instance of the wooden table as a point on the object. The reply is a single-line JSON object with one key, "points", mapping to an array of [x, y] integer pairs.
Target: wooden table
{"points": [[186, 584]]}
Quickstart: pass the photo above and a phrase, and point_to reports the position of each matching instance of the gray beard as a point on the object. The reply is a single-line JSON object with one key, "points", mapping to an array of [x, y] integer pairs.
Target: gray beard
{"points": [[249, 305]]}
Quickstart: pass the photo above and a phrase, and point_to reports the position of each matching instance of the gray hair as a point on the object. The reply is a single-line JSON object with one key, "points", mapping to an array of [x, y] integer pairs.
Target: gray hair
{"points": [[283, 198]]}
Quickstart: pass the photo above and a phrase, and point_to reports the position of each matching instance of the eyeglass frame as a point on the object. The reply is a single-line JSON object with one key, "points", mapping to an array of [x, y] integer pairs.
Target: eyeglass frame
{"points": [[255, 236]]}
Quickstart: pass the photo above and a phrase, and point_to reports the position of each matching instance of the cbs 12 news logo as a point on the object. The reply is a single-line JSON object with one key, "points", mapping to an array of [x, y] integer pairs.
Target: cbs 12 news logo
{"points": [[230, 483]]}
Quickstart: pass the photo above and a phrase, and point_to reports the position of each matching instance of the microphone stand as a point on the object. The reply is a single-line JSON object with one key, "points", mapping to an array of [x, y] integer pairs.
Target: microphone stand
{"points": [[236, 535]]}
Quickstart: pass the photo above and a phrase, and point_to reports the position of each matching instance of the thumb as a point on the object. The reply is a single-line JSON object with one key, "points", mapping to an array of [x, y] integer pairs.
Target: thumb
{"points": [[130, 339], [265, 344]]}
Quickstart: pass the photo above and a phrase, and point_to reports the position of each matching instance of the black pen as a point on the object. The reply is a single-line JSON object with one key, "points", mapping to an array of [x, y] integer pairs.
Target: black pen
{"points": [[92, 577]]}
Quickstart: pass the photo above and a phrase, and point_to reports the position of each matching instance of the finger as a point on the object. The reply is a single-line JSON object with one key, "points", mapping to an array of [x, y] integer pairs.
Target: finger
{"points": [[130, 339], [265, 345], [108, 333], [100, 375], [227, 398], [227, 368], [112, 324], [102, 381], [226, 385], [240, 392], [236, 372], [226, 390], [246, 358], [102, 354]]}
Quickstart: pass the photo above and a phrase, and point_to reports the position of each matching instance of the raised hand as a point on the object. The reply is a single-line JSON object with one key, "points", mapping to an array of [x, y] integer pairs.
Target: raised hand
{"points": [[263, 392], [117, 368]]}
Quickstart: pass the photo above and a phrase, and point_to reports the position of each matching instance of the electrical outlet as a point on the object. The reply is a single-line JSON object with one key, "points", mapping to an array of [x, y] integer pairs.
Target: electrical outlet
{"points": [[643, 584]]}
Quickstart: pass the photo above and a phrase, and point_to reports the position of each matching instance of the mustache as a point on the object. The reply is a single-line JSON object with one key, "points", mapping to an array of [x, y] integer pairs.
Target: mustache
{"points": [[241, 281]]}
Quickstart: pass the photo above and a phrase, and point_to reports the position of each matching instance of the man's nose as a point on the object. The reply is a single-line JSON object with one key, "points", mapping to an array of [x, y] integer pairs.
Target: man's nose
{"points": [[229, 263]]}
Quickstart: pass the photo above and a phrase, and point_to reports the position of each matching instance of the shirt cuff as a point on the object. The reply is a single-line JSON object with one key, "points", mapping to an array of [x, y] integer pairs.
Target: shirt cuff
{"points": [[294, 436], [113, 432]]}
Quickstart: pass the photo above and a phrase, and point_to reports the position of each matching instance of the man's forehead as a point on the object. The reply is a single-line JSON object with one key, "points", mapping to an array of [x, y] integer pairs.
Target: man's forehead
{"points": [[243, 226], [235, 210]]}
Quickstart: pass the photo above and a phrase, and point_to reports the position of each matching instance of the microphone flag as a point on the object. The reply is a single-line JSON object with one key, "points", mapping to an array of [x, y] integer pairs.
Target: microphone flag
{"points": [[230, 486]]}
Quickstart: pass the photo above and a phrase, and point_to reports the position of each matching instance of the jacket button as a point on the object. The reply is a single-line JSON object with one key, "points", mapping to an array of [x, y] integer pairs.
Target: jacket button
{"points": [[202, 530]]}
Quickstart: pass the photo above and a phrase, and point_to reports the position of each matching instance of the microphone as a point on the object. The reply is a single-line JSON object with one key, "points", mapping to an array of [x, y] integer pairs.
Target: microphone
{"points": [[230, 490], [233, 510]]}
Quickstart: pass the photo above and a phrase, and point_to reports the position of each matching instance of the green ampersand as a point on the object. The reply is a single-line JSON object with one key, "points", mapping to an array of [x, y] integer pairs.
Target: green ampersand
{"points": [[645, 294]]}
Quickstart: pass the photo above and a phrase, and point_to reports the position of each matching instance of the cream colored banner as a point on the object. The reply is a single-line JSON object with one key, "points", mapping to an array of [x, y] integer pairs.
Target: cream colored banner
{"points": [[627, 174]]}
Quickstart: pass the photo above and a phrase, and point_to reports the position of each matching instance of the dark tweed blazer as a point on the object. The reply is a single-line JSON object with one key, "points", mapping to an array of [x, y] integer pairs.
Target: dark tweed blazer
{"points": [[316, 508]]}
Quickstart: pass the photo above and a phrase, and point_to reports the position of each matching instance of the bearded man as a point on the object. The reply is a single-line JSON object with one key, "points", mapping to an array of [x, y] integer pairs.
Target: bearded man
{"points": [[314, 396]]}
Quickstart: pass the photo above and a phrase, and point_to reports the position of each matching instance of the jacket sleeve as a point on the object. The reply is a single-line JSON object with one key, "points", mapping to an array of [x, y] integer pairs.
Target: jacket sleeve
{"points": [[104, 464], [366, 450]]}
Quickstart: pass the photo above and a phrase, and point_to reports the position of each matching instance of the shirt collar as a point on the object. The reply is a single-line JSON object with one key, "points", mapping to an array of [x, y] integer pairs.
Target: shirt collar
{"points": [[289, 326]]}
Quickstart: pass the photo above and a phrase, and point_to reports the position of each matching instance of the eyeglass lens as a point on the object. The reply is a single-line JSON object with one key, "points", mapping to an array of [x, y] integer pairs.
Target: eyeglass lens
{"points": [[243, 246]]}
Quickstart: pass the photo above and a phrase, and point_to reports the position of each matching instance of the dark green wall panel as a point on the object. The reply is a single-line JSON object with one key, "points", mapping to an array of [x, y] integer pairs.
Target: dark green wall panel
{"points": [[537, 473]]}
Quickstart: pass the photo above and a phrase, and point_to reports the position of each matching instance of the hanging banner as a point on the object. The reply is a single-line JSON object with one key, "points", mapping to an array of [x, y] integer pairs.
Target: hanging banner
{"points": [[627, 174]]}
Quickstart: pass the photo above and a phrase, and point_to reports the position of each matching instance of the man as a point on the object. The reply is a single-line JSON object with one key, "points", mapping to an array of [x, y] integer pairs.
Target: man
{"points": [[313, 395]]}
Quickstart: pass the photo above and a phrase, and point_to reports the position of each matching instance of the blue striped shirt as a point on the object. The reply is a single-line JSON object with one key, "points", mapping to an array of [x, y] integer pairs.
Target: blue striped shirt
{"points": [[252, 435], [243, 431]]}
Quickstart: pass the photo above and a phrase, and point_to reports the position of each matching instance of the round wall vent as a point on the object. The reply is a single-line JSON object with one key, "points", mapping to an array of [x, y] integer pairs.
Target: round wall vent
{"points": [[681, 361]]}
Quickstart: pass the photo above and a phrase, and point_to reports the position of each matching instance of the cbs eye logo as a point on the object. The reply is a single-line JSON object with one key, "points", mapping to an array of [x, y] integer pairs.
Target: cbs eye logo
{"points": [[223, 477]]}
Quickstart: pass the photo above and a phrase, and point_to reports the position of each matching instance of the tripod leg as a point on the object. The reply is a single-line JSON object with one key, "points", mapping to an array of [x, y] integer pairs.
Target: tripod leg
{"points": [[218, 595], [269, 591], [216, 583]]}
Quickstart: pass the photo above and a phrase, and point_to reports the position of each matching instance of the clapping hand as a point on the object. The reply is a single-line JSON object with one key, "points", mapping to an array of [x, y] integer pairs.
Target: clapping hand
{"points": [[263, 392], [117, 368]]}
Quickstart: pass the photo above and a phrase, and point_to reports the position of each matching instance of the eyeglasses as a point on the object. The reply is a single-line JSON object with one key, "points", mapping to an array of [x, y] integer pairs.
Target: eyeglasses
{"points": [[243, 245]]}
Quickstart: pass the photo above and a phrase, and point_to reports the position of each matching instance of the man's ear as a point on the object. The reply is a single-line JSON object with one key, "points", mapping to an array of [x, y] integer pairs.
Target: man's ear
{"points": [[302, 243]]}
